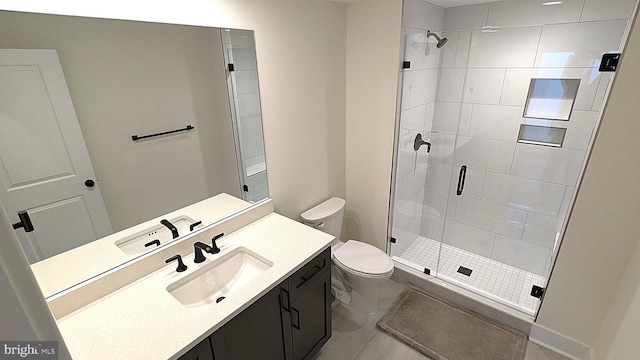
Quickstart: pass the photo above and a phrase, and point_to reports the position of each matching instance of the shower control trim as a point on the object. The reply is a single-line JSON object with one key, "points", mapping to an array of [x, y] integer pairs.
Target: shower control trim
{"points": [[418, 142]]}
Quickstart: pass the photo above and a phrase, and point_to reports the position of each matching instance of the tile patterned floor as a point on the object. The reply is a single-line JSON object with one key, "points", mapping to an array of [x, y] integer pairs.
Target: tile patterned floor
{"points": [[355, 336], [508, 283]]}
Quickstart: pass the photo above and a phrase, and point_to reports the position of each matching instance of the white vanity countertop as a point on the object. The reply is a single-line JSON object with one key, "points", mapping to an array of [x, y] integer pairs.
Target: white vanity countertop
{"points": [[144, 321], [71, 267]]}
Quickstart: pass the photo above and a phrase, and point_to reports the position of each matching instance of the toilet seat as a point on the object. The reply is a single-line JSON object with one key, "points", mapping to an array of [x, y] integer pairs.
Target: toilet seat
{"points": [[363, 259]]}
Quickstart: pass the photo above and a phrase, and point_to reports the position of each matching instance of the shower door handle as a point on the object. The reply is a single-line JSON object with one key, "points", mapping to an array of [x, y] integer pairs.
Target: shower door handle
{"points": [[461, 177]]}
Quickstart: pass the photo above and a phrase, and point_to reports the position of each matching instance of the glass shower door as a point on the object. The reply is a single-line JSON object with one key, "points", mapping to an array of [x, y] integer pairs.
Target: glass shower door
{"points": [[529, 104]]}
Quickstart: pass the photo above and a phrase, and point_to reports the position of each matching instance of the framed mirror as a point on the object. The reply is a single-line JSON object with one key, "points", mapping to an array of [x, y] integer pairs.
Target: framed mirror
{"points": [[123, 123]]}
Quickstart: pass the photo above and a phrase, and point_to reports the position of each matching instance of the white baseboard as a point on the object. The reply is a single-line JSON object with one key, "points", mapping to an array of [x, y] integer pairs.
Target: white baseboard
{"points": [[559, 343]]}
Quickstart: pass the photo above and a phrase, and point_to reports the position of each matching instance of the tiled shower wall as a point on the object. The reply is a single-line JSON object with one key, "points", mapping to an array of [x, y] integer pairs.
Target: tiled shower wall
{"points": [[516, 196], [416, 116], [240, 48]]}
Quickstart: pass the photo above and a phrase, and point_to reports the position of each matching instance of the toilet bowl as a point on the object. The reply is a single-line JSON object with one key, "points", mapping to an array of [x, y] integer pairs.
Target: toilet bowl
{"points": [[358, 268]]}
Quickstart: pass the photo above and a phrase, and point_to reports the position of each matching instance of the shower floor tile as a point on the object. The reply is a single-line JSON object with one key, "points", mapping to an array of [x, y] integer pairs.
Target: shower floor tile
{"points": [[503, 281]]}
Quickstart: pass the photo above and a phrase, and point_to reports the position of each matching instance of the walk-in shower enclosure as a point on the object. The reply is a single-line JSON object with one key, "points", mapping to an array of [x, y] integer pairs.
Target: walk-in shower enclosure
{"points": [[510, 105]]}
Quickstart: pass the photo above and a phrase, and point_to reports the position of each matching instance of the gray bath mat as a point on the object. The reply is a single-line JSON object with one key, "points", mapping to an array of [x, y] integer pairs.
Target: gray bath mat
{"points": [[443, 331]]}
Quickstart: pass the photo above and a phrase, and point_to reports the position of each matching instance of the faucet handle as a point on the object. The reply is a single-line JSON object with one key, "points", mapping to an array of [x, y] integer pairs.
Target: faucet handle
{"points": [[214, 248], [181, 266]]}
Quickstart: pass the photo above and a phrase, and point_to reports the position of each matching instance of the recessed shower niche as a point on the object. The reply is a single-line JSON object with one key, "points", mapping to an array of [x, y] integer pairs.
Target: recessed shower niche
{"points": [[551, 98]]}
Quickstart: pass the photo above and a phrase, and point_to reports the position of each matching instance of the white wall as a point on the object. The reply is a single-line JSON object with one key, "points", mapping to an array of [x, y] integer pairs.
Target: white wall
{"points": [[373, 55], [620, 330], [603, 229]]}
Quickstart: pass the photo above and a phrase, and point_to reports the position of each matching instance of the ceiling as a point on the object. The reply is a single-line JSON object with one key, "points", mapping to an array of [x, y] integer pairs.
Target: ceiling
{"points": [[442, 3]]}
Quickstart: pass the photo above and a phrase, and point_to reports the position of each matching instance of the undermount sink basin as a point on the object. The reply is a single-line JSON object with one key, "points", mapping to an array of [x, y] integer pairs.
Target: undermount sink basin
{"points": [[134, 245], [215, 281]]}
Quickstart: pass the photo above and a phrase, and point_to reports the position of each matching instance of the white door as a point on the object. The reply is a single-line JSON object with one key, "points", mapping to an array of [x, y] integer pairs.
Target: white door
{"points": [[44, 163]]}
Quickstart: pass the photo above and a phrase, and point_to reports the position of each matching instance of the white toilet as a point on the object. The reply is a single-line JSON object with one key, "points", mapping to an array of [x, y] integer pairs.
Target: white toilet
{"points": [[360, 267]]}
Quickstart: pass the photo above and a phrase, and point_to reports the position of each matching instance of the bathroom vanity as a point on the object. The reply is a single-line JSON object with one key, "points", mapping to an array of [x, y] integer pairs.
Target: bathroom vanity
{"points": [[291, 321], [148, 310]]}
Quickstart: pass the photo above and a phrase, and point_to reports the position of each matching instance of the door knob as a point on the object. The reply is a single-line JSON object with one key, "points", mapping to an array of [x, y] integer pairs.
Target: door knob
{"points": [[89, 183]]}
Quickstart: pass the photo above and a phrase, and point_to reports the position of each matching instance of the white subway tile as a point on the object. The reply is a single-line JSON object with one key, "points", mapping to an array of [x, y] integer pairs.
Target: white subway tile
{"points": [[527, 13], [507, 47], [442, 147], [438, 176], [450, 85], [542, 230], [414, 41], [566, 202], [579, 129], [483, 86], [423, 87], [435, 202], [465, 17], [412, 120], [406, 76], [243, 82], [579, 44], [244, 58], [427, 225], [530, 195], [465, 119], [491, 217], [603, 86], [521, 254], [448, 52], [413, 182], [241, 37], [496, 122], [468, 238], [462, 49], [252, 125], [404, 213], [473, 184], [422, 15], [446, 117], [516, 86], [248, 105], [607, 10], [484, 154], [405, 161], [556, 165]]}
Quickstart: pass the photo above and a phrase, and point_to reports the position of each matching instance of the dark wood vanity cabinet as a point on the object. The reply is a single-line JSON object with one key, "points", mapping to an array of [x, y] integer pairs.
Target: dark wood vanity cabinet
{"points": [[290, 322], [202, 351], [308, 312]]}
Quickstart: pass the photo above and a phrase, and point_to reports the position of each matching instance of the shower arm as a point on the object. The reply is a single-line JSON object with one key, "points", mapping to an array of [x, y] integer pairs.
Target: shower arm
{"points": [[418, 142]]}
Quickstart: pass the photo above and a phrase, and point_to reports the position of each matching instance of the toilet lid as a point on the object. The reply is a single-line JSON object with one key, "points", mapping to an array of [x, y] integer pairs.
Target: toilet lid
{"points": [[363, 258]]}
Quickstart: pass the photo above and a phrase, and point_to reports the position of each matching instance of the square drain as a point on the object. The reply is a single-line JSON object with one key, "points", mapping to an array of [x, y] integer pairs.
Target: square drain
{"points": [[464, 271]]}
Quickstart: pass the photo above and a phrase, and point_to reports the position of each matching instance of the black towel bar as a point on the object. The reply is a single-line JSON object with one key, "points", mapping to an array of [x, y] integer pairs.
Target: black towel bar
{"points": [[136, 137]]}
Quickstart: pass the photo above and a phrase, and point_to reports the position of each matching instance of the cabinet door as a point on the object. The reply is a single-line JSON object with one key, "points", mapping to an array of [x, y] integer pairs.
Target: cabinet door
{"points": [[255, 333], [311, 318], [202, 351]]}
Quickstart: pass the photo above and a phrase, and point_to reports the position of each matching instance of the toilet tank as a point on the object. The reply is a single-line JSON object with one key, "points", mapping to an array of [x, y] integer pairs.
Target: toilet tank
{"points": [[326, 217]]}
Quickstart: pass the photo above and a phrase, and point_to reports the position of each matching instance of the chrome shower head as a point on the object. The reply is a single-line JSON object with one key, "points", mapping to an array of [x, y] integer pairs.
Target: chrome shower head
{"points": [[441, 41]]}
